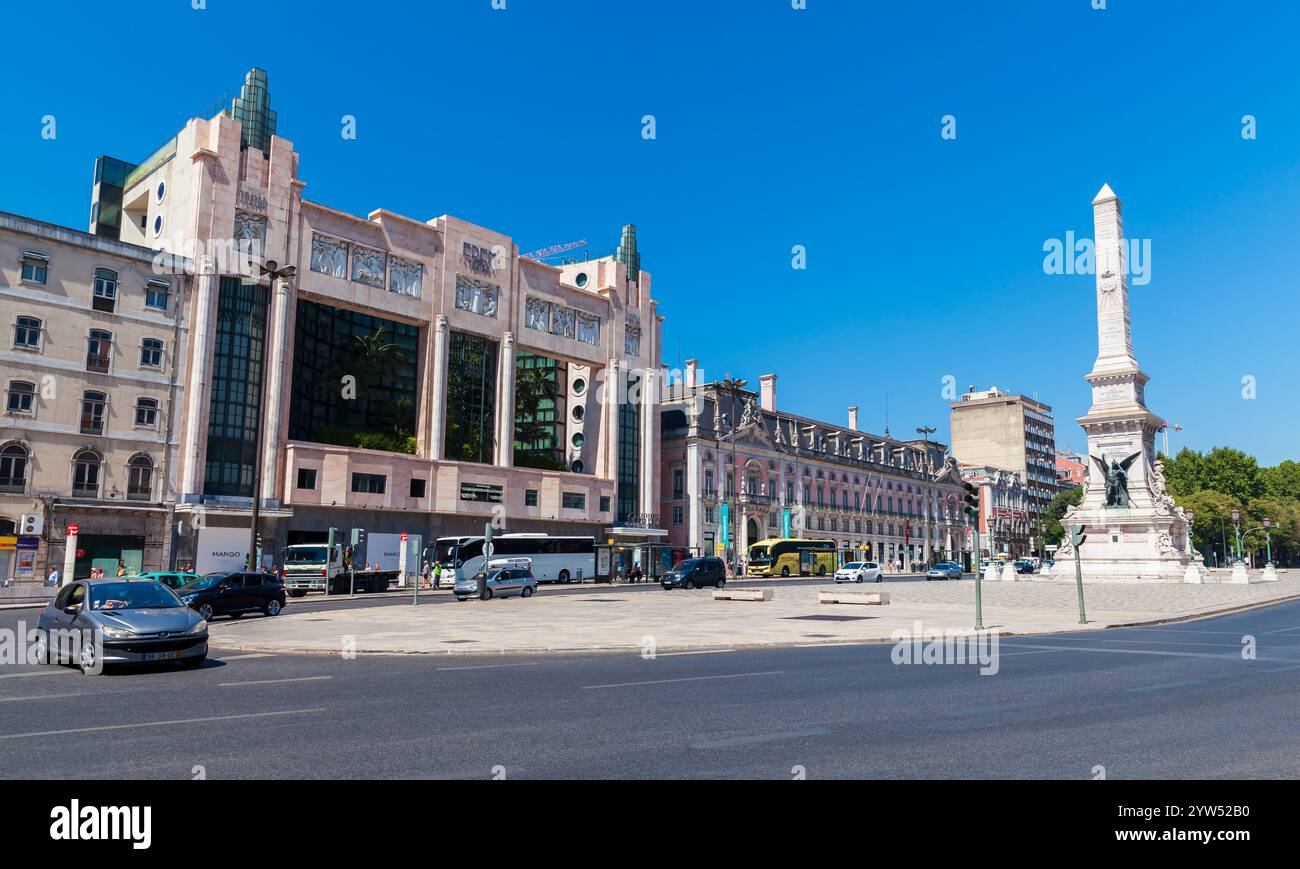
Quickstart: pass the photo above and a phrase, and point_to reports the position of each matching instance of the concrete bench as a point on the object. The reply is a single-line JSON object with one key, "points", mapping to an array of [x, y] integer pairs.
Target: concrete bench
{"points": [[873, 598], [742, 594]]}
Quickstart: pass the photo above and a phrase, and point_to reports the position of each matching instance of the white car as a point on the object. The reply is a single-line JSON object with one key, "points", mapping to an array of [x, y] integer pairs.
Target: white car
{"points": [[859, 571]]}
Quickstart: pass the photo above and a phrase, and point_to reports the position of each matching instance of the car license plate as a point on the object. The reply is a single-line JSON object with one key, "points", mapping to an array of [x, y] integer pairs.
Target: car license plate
{"points": [[162, 656]]}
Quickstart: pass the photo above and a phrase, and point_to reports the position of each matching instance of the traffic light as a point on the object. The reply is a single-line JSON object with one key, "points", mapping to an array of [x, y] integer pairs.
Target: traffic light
{"points": [[971, 500], [358, 536], [1077, 536]]}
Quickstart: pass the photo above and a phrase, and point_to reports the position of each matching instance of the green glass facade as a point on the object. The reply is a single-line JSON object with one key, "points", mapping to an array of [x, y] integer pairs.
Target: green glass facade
{"points": [[540, 386], [376, 407], [236, 388], [471, 398], [629, 453]]}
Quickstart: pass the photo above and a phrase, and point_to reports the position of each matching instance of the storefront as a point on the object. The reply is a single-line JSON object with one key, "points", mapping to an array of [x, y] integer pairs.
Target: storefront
{"points": [[640, 552]]}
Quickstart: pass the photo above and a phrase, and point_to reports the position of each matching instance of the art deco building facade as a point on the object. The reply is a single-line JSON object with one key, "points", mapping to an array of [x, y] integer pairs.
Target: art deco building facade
{"points": [[879, 498], [414, 376]]}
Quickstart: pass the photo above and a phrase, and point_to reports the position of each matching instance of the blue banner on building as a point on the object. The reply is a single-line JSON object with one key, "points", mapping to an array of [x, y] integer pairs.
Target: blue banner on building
{"points": [[725, 516], [785, 522]]}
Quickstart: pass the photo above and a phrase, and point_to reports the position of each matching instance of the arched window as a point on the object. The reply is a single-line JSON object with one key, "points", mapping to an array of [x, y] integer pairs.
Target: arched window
{"points": [[85, 473], [104, 297], [21, 397], [27, 333], [151, 353], [139, 479], [13, 469], [92, 412], [146, 412], [99, 351]]}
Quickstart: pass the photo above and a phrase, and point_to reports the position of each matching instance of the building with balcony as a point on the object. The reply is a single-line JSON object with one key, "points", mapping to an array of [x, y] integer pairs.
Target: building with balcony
{"points": [[410, 375], [92, 365], [1005, 523], [774, 473]]}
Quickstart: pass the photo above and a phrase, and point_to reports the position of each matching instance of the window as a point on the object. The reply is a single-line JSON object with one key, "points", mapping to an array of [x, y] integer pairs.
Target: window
{"points": [[36, 267], [139, 479], [146, 412], [99, 351], [13, 468], [85, 473], [530, 497], [470, 398], [155, 295], [306, 478], [679, 482], [369, 484], [417, 488], [92, 412], [27, 333], [708, 481], [677, 515], [104, 297], [151, 353], [21, 397], [573, 500], [604, 503]]}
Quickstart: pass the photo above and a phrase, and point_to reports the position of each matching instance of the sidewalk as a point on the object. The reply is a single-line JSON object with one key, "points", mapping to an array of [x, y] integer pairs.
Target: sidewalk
{"points": [[692, 620]]}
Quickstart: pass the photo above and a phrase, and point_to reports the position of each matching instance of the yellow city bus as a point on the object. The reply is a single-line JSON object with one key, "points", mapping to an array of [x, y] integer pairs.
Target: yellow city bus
{"points": [[784, 556]]}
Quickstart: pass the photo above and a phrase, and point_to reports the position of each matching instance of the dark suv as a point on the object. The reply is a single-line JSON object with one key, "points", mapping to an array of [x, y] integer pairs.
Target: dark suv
{"points": [[695, 572], [234, 594]]}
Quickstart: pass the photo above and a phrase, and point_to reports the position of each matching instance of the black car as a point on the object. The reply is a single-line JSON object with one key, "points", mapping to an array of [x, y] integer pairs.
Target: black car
{"points": [[233, 594], [695, 572]]}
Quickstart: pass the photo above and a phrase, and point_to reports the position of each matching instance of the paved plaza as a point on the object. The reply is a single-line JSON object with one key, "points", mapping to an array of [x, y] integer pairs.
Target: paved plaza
{"points": [[623, 620]]}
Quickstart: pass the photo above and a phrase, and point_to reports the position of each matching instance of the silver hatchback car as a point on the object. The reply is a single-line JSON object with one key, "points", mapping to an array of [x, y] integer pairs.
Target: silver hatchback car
{"points": [[501, 579], [116, 621]]}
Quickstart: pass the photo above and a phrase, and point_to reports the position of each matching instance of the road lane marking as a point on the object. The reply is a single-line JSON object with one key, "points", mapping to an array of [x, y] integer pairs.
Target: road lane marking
{"points": [[682, 679], [49, 672], [159, 723], [246, 657], [273, 681], [1163, 685], [697, 652], [485, 666], [45, 697], [1226, 656], [768, 737]]}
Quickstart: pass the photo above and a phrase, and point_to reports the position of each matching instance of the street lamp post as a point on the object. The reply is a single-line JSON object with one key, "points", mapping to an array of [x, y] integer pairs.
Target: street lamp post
{"points": [[1236, 530], [925, 431], [732, 386], [274, 272]]}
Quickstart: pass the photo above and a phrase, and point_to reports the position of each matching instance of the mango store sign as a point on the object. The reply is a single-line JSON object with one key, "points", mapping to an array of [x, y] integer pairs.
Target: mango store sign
{"points": [[221, 549]]}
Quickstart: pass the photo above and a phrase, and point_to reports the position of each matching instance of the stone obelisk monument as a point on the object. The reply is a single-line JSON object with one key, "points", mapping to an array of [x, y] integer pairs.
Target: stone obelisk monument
{"points": [[1134, 531]]}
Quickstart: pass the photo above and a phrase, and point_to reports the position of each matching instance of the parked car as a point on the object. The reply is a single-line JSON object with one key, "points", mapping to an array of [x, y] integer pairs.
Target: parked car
{"points": [[1025, 565], [233, 594], [944, 570], [859, 571], [171, 580], [502, 578], [695, 572], [135, 622]]}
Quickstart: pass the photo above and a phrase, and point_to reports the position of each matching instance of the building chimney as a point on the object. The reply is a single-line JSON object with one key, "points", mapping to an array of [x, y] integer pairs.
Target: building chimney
{"points": [[853, 419], [690, 372], [767, 395]]}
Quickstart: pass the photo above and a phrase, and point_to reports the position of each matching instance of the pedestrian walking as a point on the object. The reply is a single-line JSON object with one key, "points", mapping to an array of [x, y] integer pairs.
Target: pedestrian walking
{"points": [[53, 578], [437, 574]]}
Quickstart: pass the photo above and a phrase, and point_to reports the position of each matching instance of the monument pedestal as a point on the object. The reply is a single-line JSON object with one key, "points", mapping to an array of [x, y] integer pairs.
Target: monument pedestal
{"points": [[1270, 573], [1239, 574], [1131, 545]]}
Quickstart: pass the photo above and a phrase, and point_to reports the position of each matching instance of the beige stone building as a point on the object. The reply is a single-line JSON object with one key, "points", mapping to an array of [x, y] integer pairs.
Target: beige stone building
{"points": [[413, 375], [92, 366], [1000, 430]]}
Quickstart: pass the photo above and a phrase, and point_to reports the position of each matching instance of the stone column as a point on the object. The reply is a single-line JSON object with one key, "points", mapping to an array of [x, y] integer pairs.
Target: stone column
{"points": [[69, 559], [196, 389], [277, 358], [649, 432], [610, 395], [438, 394], [505, 446], [694, 488]]}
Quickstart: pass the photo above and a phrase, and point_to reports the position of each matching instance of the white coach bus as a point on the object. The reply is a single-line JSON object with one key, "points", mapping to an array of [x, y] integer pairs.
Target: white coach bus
{"points": [[555, 559]]}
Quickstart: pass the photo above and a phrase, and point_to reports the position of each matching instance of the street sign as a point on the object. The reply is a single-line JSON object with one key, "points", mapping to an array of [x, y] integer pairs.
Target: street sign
{"points": [[405, 536], [73, 529]]}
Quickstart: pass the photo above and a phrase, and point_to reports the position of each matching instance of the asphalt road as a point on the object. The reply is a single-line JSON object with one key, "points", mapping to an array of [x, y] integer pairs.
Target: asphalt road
{"points": [[1163, 702]]}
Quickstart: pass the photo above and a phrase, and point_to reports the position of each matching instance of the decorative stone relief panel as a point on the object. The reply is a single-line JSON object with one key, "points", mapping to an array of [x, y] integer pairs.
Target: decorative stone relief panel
{"points": [[329, 255], [537, 314], [368, 266], [404, 276], [632, 340], [563, 322], [250, 232], [588, 329], [477, 297]]}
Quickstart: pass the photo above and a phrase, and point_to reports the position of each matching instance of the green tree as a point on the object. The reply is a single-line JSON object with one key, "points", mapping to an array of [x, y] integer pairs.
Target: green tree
{"points": [[1282, 481], [1212, 524], [1183, 473], [1053, 531], [1231, 472]]}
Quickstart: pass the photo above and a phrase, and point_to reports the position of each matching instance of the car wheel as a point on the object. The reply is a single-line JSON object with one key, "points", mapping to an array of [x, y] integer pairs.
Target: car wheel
{"points": [[485, 594], [272, 607], [880, 577], [461, 599], [42, 648], [88, 659], [205, 611], [527, 592], [721, 581], [690, 583], [785, 571], [859, 579], [563, 577], [194, 663]]}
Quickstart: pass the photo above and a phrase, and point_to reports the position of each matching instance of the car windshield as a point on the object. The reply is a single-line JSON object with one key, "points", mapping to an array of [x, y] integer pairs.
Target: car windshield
{"points": [[688, 564], [853, 565], [306, 555], [208, 580], [131, 596]]}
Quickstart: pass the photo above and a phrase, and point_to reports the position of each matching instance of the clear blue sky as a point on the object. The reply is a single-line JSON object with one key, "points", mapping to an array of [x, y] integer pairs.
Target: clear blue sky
{"points": [[775, 128]]}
